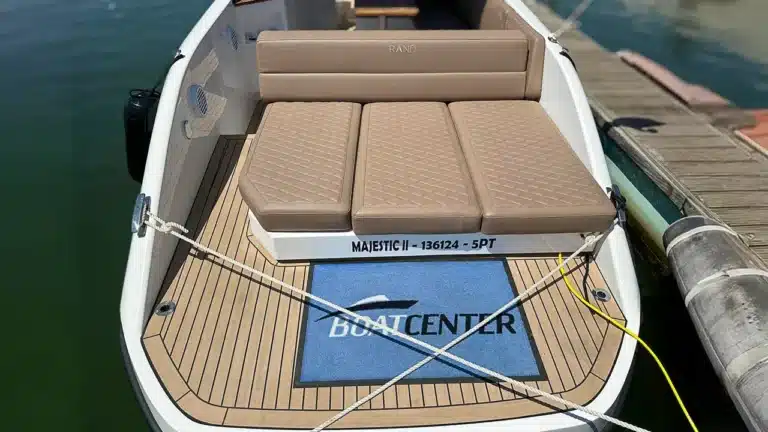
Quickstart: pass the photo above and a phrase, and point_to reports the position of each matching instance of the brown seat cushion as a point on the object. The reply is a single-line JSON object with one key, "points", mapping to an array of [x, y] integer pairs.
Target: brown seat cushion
{"points": [[299, 173], [411, 176], [527, 177], [392, 65]]}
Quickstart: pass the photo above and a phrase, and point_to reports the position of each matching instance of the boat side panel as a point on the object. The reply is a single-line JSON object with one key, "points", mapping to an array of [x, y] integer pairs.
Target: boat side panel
{"points": [[562, 97], [209, 92]]}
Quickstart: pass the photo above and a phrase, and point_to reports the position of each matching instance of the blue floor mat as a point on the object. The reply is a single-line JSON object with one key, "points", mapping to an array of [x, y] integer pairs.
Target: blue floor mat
{"points": [[434, 301]]}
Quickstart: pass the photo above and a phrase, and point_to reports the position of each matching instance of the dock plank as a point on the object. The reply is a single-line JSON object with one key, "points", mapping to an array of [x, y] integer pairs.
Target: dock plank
{"points": [[665, 142], [725, 183], [743, 216], [655, 119], [735, 199], [637, 102], [762, 252], [676, 130], [756, 235], [611, 112], [688, 168], [702, 155]]}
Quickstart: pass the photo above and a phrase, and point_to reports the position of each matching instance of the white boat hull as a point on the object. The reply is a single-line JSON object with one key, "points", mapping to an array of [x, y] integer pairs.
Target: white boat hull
{"points": [[176, 164]]}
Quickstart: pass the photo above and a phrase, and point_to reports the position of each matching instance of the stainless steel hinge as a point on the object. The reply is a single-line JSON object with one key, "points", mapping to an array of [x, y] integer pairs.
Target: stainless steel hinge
{"points": [[140, 210]]}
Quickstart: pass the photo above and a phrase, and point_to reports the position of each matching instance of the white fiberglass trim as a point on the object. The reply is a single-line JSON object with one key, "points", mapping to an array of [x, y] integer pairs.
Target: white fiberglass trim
{"points": [[295, 246], [563, 98]]}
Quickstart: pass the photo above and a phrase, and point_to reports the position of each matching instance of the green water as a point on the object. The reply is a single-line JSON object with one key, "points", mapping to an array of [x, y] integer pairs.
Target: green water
{"points": [[66, 69]]}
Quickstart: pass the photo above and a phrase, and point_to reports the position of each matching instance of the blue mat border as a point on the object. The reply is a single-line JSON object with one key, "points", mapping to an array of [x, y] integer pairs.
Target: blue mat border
{"points": [[542, 376]]}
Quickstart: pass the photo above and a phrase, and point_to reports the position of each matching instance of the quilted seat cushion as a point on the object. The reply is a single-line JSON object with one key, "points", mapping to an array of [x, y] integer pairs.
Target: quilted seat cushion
{"points": [[411, 176], [298, 175], [527, 177], [392, 65]]}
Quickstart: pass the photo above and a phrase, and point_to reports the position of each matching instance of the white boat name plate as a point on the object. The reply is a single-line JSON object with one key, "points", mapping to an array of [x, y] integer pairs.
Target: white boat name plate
{"points": [[404, 244], [292, 246]]}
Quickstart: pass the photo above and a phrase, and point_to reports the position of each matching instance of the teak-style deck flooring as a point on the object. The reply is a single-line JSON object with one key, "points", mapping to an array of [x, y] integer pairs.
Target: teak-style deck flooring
{"points": [[703, 169], [227, 354]]}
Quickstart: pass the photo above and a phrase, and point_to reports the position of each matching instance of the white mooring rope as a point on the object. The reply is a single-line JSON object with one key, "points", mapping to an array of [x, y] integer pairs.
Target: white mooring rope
{"points": [[572, 20], [178, 231]]}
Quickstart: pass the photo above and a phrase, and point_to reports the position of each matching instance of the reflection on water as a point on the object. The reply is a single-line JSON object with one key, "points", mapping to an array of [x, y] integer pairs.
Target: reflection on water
{"points": [[738, 24], [67, 69], [719, 44]]}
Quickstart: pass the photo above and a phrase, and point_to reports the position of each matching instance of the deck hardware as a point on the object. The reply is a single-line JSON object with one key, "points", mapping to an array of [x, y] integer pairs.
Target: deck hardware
{"points": [[585, 279], [231, 34], [567, 54], [139, 217], [620, 203], [601, 295], [186, 129], [197, 100], [165, 308]]}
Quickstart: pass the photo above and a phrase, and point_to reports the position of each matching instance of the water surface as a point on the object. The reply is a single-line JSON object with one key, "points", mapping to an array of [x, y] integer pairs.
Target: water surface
{"points": [[720, 44]]}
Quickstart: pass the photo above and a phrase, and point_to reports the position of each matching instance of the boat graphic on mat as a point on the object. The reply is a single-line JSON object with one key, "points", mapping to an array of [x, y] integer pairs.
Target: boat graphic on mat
{"points": [[379, 301]]}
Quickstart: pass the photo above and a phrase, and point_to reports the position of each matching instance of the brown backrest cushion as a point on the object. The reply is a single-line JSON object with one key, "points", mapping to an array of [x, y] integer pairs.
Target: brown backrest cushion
{"points": [[395, 65], [498, 15]]}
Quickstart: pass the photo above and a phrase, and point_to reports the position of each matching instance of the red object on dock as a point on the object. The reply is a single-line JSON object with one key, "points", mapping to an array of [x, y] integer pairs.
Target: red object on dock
{"points": [[759, 133], [692, 95]]}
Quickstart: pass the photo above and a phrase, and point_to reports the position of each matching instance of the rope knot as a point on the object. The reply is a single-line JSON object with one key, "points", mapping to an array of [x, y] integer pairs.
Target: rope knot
{"points": [[163, 226]]}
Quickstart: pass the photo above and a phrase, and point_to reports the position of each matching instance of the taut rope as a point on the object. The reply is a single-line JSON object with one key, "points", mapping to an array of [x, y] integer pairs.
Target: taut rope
{"points": [[179, 232]]}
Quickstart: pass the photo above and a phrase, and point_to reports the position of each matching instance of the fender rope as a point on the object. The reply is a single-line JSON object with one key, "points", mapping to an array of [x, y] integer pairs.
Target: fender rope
{"points": [[178, 231]]}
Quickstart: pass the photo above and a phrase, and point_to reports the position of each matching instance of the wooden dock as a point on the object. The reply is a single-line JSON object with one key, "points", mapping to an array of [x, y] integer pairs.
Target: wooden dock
{"points": [[703, 168]]}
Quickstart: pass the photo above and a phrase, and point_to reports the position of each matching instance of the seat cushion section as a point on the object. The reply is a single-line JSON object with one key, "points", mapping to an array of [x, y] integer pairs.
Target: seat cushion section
{"points": [[527, 177], [396, 65], [299, 173], [411, 176]]}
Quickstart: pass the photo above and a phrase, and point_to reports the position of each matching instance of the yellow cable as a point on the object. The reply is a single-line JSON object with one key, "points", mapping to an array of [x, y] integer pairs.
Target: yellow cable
{"points": [[634, 336]]}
